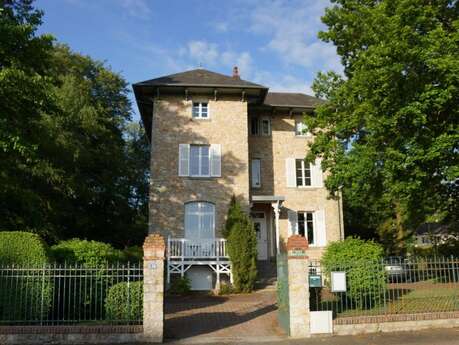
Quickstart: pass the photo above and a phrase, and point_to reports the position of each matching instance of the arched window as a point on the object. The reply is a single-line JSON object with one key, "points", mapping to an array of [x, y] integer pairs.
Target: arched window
{"points": [[199, 220]]}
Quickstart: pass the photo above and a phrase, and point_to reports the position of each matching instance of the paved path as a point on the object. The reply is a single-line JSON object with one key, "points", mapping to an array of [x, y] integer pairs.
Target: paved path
{"points": [[426, 337], [245, 316]]}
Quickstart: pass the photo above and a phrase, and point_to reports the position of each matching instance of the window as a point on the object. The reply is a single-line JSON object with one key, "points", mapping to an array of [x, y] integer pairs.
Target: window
{"points": [[306, 225], [200, 110], [256, 173], [303, 173], [301, 130], [260, 126], [199, 160], [199, 220]]}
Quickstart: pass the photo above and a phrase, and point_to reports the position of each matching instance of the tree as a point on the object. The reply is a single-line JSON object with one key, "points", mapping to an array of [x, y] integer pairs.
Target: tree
{"points": [[242, 247], [389, 131], [72, 164]]}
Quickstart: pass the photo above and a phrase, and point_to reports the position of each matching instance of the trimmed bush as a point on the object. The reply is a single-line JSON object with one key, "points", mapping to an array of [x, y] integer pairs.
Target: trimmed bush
{"points": [[28, 296], [242, 248], [22, 248], [124, 302], [362, 262], [90, 254], [180, 286]]}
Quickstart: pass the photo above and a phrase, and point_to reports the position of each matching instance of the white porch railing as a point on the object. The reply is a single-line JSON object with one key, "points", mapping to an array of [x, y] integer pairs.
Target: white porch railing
{"points": [[186, 249]]}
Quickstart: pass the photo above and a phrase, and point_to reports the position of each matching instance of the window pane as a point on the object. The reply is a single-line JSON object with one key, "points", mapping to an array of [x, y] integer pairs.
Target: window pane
{"points": [[192, 226], [301, 223], [204, 111], [194, 160], [207, 230], [195, 110], [310, 226], [299, 172], [205, 160], [265, 124], [254, 126]]}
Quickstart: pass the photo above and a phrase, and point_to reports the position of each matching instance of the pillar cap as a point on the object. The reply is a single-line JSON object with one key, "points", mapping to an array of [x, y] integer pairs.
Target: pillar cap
{"points": [[154, 247], [296, 247]]}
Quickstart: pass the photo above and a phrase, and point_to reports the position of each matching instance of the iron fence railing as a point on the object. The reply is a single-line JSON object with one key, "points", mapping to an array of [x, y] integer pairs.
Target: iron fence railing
{"points": [[71, 294], [388, 287]]}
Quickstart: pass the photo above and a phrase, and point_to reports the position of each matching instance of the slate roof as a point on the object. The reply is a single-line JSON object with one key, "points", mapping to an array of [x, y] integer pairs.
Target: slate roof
{"points": [[291, 100], [200, 77]]}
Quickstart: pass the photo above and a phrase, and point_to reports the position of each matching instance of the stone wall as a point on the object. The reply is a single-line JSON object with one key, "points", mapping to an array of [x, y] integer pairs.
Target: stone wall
{"points": [[273, 151], [173, 125]]}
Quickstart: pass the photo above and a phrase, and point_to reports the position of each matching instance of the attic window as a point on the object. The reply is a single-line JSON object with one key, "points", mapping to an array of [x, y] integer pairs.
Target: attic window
{"points": [[200, 110], [260, 126]]}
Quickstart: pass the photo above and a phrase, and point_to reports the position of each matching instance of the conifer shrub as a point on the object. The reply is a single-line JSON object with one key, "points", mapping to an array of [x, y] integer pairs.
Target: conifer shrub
{"points": [[242, 247]]}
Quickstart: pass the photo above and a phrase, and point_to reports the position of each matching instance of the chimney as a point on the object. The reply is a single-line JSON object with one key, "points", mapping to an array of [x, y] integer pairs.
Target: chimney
{"points": [[236, 73]]}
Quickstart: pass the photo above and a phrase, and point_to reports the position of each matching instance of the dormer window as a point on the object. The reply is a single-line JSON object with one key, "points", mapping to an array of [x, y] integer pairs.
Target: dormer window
{"points": [[200, 110]]}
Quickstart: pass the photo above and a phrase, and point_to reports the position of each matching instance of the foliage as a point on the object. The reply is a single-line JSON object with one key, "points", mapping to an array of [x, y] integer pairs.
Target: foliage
{"points": [[124, 302], [86, 253], [391, 137], [180, 286], [361, 260], [242, 248], [71, 162], [226, 289], [22, 248], [133, 254], [31, 296]]}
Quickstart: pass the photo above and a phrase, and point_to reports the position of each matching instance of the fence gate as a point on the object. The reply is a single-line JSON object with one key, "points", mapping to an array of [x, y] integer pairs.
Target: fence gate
{"points": [[282, 292]]}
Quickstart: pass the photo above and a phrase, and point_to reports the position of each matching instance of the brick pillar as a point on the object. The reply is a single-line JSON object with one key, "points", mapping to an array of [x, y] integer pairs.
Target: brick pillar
{"points": [[153, 288], [298, 286]]}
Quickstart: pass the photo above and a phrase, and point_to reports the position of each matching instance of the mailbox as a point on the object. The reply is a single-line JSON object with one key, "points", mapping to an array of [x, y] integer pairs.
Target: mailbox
{"points": [[315, 280]]}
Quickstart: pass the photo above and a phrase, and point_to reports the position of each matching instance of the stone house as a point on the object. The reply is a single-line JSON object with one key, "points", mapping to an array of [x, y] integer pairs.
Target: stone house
{"points": [[213, 136]]}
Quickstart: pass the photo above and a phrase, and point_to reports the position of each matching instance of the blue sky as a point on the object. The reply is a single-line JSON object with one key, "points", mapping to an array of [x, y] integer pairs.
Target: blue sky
{"points": [[273, 42]]}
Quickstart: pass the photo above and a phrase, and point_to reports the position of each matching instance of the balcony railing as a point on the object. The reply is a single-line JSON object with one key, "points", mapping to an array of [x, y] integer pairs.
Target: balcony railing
{"points": [[186, 249]]}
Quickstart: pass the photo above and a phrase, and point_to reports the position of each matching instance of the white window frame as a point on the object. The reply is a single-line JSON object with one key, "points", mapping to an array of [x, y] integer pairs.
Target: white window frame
{"points": [[200, 158], [199, 115], [200, 213], [303, 175], [255, 173], [314, 230], [303, 132]]}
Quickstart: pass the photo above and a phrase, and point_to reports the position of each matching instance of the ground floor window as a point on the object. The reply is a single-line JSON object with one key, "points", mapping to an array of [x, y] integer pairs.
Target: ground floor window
{"points": [[306, 225], [199, 220]]}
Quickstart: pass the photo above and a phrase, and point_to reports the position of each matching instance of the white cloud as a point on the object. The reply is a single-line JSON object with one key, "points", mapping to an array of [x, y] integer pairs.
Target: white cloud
{"points": [[221, 26], [210, 55], [292, 28]]}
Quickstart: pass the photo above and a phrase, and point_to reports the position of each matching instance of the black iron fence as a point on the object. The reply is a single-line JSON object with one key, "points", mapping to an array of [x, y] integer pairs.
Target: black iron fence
{"points": [[71, 294], [392, 286]]}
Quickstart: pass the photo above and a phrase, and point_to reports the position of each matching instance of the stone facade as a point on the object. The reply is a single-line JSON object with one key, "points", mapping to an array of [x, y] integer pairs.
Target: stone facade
{"points": [[273, 151], [174, 125], [228, 126]]}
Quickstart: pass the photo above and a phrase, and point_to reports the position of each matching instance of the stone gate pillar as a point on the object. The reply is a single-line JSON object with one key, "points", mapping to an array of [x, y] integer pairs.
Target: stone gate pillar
{"points": [[298, 286], [153, 288]]}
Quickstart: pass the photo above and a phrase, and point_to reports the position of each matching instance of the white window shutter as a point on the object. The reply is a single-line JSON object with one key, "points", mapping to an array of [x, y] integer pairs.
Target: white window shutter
{"points": [[215, 160], [316, 174], [292, 223], [321, 233], [290, 172], [184, 159]]}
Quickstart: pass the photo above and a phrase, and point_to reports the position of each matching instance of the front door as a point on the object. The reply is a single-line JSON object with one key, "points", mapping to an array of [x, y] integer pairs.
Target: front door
{"points": [[259, 222]]}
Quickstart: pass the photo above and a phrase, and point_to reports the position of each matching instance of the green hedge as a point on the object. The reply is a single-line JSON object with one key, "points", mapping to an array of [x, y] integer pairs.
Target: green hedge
{"points": [[28, 296], [362, 262], [22, 248], [123, 303], [87, 253]]}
